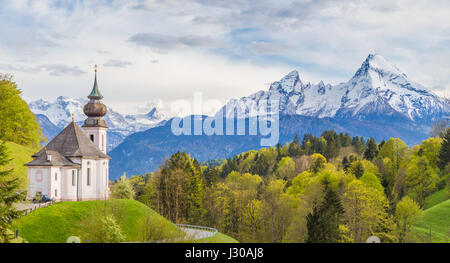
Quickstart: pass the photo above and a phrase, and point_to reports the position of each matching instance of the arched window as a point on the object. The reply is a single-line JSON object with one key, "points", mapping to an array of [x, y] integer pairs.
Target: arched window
{"points": [[74, 177], [88, 175]]}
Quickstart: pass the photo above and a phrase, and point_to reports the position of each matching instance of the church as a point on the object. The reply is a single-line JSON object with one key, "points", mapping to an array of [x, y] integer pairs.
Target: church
{"points": [[74, 165]]}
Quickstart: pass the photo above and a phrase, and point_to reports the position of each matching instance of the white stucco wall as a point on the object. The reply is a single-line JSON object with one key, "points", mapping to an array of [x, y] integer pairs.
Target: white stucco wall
{"points": [[97, 189], [69, 189], [55, 183], [38, 181]]}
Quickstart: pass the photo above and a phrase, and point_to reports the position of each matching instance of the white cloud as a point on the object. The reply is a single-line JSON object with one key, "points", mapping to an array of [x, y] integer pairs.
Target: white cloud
{"points": [[117, 63]]}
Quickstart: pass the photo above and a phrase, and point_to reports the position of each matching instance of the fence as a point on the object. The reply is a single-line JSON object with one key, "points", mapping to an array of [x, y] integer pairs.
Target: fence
{"points": [[36, 206], [206, 231]]}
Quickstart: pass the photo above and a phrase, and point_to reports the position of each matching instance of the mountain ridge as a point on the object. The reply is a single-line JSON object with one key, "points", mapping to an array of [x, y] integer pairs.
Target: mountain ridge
{"points": [[55, 115], [378, 101], [376, 86]]}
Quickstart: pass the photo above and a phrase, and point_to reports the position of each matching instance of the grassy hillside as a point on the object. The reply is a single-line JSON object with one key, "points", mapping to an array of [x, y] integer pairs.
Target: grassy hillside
{"points": [[436, 198], [20, 155], [54, 224], [438, 218]]}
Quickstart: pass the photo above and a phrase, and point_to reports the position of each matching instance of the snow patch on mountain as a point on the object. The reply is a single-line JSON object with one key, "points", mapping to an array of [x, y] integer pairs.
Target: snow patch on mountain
{"points": [[378, 88], [59, 112]]}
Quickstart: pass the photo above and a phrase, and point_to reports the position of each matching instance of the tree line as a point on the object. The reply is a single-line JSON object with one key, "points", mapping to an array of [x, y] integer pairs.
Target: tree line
{"points": [[294, 193]]}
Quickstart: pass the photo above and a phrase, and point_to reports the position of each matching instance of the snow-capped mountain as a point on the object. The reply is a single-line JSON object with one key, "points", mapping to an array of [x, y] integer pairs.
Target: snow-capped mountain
{"points": [[59, 113], [377, 89], [379, 101]]}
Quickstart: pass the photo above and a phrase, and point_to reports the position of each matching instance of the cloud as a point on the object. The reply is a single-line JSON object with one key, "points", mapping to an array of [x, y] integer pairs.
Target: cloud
{"points": [[54, 69], [323, 39], [266, 48], [117, 63], [63, 70], [20, 68], [163, 43]]}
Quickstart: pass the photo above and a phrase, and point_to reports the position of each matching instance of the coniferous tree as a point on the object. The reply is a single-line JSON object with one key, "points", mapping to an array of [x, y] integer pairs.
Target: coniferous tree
{"points": [[323, 223], [260, 166], [359, 169], [294, 147], [444, 153], [230, 165], [345, 140], [371, 150], [211, 175], [345, 163], [279, 154], [381, 144], [313, 224], [9, 195], [332, 144]]}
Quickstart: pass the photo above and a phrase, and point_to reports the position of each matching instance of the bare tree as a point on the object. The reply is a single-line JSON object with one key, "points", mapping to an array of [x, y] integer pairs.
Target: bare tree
{"points": [[439, 128]]}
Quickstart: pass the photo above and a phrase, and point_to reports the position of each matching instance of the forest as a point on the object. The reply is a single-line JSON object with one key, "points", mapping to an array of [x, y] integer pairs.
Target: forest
{"points": [[332, 188]]}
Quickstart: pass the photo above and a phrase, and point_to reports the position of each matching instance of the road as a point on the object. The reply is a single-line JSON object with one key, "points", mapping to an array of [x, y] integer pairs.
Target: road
{"points": [[196, 233]]}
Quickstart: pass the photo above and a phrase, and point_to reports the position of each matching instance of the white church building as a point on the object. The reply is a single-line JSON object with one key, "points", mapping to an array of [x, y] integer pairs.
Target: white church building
{"points": [[74, 165]]}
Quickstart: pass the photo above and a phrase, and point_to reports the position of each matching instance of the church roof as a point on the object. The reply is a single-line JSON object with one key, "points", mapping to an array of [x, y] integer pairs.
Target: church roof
{"points": [[55, 160], [70, 142]]}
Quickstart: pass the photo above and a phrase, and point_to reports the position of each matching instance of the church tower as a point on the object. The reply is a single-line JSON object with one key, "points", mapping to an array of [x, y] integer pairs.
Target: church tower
{"points": [[95, 126]]}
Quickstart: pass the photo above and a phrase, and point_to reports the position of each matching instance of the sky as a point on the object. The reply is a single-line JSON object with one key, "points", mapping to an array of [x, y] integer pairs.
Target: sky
{"points": [[166, 50]]}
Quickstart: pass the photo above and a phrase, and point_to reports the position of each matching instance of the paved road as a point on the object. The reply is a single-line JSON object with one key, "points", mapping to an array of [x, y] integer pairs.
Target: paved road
{"points": [[196, 233]]}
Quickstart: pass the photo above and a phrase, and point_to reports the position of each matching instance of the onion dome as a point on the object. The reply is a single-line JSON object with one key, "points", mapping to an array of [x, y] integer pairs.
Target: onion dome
{"points": [[95, 109]]}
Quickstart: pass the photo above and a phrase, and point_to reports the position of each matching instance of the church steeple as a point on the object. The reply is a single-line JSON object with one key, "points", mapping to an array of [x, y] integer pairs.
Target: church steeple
{"points": [[95, 93], [95, 109], [95, 126]]}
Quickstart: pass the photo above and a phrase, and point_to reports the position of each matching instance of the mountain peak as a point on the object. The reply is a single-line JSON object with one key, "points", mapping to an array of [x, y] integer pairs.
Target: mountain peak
{"points": [[377, 88], [292, 74], [59, 98], [377, 63], [287, 83]]}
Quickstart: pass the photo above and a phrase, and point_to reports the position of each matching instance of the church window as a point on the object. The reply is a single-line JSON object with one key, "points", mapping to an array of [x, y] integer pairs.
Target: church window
{"points": [[56, 176], [88, 181], [73, 177], [92, 137], [56, 192]]}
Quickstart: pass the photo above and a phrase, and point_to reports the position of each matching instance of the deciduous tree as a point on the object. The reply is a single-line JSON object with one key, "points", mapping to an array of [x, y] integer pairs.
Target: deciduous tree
{"points": [[407, 213], [18, 123]]}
